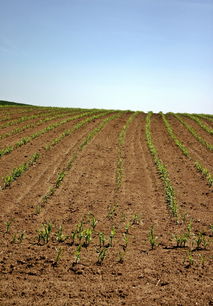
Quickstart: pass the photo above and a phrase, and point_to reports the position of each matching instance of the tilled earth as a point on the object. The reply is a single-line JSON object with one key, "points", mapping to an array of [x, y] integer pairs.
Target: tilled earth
{"points": [[38, 272]]}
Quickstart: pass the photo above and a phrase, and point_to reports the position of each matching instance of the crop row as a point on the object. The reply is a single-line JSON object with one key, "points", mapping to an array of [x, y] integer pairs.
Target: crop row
{"points": [[194, 133], [164, 175], [84, 242], [200, 123], [205, 172], [202, 116], [32, 125], [7, 182], [26, 140], [35, 116]]}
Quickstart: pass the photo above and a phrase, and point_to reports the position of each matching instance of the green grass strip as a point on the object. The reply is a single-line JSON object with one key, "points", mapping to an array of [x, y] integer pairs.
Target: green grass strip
{"points": [[169, 190]]}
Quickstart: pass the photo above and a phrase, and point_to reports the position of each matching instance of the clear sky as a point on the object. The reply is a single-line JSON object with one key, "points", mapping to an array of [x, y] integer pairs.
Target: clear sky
{"points": [[116, 54]]}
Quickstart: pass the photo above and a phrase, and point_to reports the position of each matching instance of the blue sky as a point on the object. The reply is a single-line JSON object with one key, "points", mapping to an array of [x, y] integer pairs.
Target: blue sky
{"points": [[116, 54]]}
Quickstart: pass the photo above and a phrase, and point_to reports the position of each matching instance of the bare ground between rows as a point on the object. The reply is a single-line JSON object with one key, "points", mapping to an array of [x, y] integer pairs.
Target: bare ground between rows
{"points": [[193, 194], [23, 153], [146, 277], [196, 149]]}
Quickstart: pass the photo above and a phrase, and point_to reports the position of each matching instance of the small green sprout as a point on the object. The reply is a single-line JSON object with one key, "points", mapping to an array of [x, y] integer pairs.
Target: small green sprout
{"points": [[8, 226], [135, 220], [44, 232], [93, 222], [60, 237], [37, 209], [126, 241], [181, 240], [78, 254], [101, 239], [88, 236], [112, 235], [152, 238], [59, 253], [127, 226], [101, 255], [121, 257]]}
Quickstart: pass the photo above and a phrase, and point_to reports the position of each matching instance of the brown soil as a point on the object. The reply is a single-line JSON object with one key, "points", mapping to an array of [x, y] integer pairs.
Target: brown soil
{"points": [[165, 275]]}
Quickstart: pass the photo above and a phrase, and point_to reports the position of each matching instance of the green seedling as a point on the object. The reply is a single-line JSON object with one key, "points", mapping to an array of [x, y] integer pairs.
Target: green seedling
{"points": [[202, 260], [59, 179], [18, 238], [88, 236], [37, 209], [93, 222], [126, 241], [60, 237], [73, 236], [152, 238], [112, 235], [181, 240], [44, 232], [121, 257], [8, 226], [201, 241], [101, 237], [135, 220], [78, 254], [189, 227], [112, 212], [190, 258], [127, 226], [59, 253], [101, 255]]}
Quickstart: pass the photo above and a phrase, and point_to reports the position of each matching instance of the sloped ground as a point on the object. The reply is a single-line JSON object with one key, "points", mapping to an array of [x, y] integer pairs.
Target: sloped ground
{"points": [[130, 272]]}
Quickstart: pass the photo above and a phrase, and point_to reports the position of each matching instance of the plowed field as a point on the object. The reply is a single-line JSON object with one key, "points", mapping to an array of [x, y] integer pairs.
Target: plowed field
{"points": [[105, 207]]}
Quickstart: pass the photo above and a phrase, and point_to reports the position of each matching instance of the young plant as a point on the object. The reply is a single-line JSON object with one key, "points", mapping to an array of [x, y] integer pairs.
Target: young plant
{"points": [[126, 241], [8, 226], [59, 253], [112, 235], [127, 226], [93, 222], [152, 238], [121, 257], [101, 237], [101, 255], [60, 237], [37, 209], [135, 220], [77, 254], [181, 240], [44, 232], [88, 236]]}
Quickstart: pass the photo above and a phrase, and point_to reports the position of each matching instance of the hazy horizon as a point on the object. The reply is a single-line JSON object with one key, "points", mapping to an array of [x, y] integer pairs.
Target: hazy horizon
{"points": [[138, 55]]}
